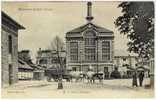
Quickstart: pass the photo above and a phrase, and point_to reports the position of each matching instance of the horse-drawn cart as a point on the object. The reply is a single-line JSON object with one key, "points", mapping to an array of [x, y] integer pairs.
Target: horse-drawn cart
{"points": [[55, 74]]}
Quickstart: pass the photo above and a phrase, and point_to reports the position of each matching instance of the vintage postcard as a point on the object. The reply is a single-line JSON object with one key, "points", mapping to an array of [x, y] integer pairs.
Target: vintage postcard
{"points": [[82, 49]]}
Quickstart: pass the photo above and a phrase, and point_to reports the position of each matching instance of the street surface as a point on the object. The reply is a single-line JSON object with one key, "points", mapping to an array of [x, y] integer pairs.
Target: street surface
{"points": [[117, 88]]}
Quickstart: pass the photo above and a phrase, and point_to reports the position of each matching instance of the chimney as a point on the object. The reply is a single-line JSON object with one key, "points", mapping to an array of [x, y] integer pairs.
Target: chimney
{"points": [[39, 52], [39, 49], [89, 17]]}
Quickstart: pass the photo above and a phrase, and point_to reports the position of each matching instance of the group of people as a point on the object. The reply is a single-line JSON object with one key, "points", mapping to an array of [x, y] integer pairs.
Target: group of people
{"points": [[141, 78]]}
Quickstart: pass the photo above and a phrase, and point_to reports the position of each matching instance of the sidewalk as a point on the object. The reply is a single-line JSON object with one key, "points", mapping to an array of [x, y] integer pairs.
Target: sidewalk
{"points": [[109, 88]]}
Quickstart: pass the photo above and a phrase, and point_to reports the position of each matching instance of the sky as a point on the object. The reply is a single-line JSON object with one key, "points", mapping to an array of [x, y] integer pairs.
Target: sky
{"points": [[44, 20]]}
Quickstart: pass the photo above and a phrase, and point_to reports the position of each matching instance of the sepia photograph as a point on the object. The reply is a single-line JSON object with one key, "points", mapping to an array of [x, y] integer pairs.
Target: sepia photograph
{"points": [[77, 49]]}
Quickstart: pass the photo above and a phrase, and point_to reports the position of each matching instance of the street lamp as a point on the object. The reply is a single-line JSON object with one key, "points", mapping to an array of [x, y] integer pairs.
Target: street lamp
{"points": [[80, 61], [97, 55]]}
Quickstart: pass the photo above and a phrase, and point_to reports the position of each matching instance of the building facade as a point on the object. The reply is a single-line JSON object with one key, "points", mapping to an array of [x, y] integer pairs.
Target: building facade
{"points": [[49, 58], [25, 71], [9, 50], [25, 55], [90, 47], [125, 64]]}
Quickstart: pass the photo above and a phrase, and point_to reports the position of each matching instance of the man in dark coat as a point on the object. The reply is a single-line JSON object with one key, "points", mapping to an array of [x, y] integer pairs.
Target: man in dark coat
{"points": [[134, 83], [141, 78]]}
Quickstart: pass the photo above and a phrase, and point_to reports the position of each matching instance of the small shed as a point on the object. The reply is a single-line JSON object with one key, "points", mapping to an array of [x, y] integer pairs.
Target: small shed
{"points": [[38, 73], [25, 72]]}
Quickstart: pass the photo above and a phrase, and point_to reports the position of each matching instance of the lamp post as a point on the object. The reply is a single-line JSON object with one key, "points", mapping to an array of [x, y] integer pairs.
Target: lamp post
{"points": [[60, 84], [97, 55], [124, 68], [80, 61]]}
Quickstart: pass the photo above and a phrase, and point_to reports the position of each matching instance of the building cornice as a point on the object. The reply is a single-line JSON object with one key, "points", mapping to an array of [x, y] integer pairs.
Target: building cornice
{"points": [[11, 22], [10, 30]]}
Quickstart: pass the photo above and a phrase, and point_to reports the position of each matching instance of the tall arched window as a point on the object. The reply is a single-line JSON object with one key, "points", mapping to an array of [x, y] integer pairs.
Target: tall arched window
{"points": [[90, 46], [106, 50], [73, 51]]}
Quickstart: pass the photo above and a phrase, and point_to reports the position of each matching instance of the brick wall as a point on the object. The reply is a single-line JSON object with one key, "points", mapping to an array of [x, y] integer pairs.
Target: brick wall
{"points": [[81, 54], [5, 53]]}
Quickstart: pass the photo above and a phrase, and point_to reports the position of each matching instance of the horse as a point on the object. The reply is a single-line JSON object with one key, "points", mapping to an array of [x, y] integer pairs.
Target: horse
{"points": [[78, 75], [92, 76], [99, 76]]}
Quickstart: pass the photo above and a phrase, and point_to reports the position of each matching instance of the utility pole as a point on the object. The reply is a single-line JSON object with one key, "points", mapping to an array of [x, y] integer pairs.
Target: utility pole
{"points": [[80, 61]]}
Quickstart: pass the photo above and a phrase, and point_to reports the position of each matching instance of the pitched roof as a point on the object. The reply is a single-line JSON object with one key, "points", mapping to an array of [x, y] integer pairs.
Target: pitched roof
{"points": [[36, 67], [101, 30], [90, 25], [11, 21], [22, 64]]}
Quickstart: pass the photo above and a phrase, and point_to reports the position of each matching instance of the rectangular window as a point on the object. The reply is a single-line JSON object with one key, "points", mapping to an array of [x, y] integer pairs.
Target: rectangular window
{"points": [[73, 51], [89, 41], [73, 68], [10, 74], [105, 69], [10, 44], [43, 61], [106, 50], [90, 54]]}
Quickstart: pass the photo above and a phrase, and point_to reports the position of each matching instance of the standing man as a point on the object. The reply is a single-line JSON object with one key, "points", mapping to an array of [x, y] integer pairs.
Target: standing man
{"points": [[134, 83], [141, 78]]}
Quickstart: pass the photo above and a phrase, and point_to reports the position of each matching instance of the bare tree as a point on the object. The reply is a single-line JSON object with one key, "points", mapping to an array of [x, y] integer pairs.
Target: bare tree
{"points": [[58, 45]]}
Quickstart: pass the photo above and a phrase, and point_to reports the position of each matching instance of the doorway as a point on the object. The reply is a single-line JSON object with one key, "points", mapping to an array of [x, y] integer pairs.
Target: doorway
{"points": [[10, 74], [106, 72]]}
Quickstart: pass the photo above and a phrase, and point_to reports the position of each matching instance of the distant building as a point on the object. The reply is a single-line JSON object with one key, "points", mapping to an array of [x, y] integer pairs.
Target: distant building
{"points": [[90, 47], [125, 64], [25, 71], [49, 58], [29, 70], [25, 56], [9, 53], [128, 62]]}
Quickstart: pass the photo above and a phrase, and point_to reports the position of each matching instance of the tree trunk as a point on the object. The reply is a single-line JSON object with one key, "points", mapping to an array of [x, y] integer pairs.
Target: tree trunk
{"points": [[152, 73], [152, 81]]}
